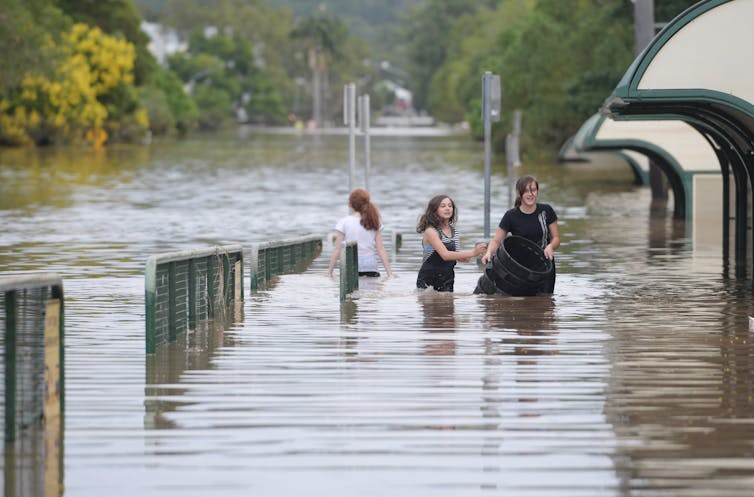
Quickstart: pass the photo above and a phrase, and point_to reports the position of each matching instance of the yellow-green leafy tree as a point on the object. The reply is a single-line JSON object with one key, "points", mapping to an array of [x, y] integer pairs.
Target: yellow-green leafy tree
{"points": [[91, 89]]}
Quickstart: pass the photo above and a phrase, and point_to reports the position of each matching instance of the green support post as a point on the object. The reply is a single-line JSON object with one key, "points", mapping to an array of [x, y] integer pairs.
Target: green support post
{"points": [[10, 366]]}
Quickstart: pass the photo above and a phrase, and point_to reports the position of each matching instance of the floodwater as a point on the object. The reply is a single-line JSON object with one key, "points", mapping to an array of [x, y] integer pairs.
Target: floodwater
{"points": [[634, 378]]}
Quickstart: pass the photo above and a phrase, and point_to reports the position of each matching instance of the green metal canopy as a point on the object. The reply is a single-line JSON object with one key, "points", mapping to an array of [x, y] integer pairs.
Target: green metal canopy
{"points": [[698, 69], [673, 145]]}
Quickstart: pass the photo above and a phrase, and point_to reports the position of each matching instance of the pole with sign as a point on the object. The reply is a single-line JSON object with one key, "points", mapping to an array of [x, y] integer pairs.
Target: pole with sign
{"points": [[349, 119], [364, 127], [490, 113], [513, 160]]}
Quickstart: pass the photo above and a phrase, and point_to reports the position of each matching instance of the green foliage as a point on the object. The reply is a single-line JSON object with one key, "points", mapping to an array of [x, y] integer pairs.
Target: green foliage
{"points": [[666, 10], [221, 72], [183, 111], [555, 55], [428, 43], [26, 26], [323, 33], [265, 105], [558, 60], [374, 21], [214, 105], [90, 89], [116, 17], [161, 120], [332, 59]]}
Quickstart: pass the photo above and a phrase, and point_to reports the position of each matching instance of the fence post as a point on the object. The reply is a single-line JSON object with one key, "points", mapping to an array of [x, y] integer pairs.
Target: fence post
{"points": [[10, 366], [349, 269]]}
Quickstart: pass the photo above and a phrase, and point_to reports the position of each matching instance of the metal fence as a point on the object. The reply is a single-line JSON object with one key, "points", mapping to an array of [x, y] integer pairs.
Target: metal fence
{"points": [[183, 288], [31, 315], [268, 259], [349, 269]]}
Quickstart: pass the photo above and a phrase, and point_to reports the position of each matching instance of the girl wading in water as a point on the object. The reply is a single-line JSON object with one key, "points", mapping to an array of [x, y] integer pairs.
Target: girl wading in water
{"points": [[365, 227], [532, 220], [440, 244]]}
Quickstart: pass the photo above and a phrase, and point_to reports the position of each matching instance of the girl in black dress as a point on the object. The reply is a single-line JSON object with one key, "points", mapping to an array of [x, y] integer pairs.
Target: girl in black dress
{"points": [[440, 244]]}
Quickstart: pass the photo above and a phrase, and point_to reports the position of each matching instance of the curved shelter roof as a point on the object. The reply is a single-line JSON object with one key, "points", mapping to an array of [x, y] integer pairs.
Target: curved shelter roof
{"points": [[701, 58], [675, 146], [698, 69], [638, 163]]}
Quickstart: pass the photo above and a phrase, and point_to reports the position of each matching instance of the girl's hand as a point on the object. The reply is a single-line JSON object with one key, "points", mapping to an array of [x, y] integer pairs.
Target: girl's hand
{"points": [[549, 252], [486, 258]]}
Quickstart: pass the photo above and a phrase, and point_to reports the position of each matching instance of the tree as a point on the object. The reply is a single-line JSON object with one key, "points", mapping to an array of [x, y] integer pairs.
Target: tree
{"points": [[120, 18], [26, 29], [89, 89], [222, 74], [426, 31], [322, 36]]}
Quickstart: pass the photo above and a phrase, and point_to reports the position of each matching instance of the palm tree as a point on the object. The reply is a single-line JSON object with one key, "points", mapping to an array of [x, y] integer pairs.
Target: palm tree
{"points": [[321, 35]]}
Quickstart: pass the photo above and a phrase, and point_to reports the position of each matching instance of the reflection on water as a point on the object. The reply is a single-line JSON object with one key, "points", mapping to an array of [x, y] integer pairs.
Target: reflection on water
{"points": [[526, 327], [438, 309], [634, 378], [190, 351]]}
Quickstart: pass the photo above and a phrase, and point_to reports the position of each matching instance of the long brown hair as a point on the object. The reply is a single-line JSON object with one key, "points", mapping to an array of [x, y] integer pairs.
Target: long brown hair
{"points": [[360, 202], [430, 217], [521, 184]]}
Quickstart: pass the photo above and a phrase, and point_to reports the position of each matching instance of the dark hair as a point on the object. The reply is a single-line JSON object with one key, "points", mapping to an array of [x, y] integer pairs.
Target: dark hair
{"points": [[430, 217], [521, 184], [360, 202]]}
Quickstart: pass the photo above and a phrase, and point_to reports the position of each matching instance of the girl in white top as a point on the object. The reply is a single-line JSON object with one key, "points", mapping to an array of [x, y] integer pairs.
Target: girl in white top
{"points": [[365, 227]]}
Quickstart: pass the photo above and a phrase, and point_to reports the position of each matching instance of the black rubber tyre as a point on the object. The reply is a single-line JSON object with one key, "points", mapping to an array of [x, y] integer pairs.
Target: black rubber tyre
{"points": [[519, 267], [510, 284], [486, 285], [523, 258]]}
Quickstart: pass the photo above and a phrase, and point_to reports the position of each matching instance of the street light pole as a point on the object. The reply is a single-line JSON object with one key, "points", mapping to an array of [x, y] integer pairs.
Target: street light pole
{"points": [[349, 119], [490, 112]]}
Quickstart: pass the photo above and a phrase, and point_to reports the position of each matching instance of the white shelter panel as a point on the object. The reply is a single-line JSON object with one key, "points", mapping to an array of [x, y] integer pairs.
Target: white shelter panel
{"points": [[686, 145], [712, 52]]}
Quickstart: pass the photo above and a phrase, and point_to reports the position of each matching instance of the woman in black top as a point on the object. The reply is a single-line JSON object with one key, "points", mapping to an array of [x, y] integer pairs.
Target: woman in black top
{"points": [[532, 220]]}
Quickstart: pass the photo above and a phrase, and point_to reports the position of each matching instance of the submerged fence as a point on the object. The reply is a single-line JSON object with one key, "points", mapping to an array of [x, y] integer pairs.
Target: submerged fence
{"points": [[31, 317], [349, 269], [31, 314], [183, 288], [268, 259]]}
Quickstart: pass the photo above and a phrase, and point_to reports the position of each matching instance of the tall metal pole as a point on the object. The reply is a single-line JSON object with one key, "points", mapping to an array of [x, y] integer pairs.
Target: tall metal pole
{"points": [[490, 112], [644, 23], [509, 167], [513, 161], [349, 118], [487, 149], [644, 31], [364, 125]]}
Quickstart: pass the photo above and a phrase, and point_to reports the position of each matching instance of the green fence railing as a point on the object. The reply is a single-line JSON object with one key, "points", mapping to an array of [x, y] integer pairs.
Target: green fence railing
{"points": [[31, 317], [183, 288], [31, 314], [397, 239], [269, 259], [349, 269]]}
